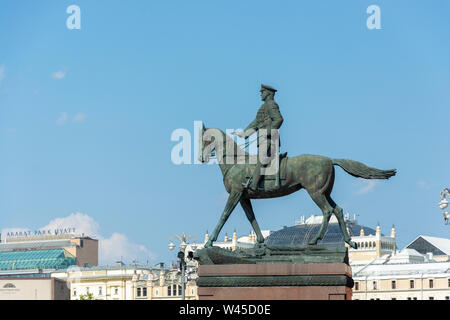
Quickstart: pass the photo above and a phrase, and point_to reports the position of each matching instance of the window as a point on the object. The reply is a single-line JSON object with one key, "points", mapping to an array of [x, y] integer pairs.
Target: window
{"points": [[174, 289], [415, 298], [374, 285], [409, 298], [87, 290], [116, 290], [449, 283], [156, 292], [180, 290], [74, 292], [356, 286], [430, 298], [100, 291], [447, 298], [138, 292], [169, 291], [411, 284], [393, 298], [393, 284], [430, 282], [144, 292]]}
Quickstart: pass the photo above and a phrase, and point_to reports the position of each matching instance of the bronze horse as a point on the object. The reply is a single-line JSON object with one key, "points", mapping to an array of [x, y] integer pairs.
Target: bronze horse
{"points": [[310, 172]]}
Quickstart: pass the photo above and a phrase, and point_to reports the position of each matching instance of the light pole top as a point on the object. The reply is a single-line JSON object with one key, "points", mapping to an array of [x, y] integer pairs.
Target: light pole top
{"points": [[183, 238]]}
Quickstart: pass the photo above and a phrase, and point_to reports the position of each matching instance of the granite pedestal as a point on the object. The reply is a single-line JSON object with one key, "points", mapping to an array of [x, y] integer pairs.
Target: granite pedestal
{"points": [[301, 273]]}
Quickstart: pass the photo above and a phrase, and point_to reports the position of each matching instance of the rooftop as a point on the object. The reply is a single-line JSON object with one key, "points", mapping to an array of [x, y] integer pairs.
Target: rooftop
{"points": [[43, 244], [36, 259], [441, 245], [302, 233]]}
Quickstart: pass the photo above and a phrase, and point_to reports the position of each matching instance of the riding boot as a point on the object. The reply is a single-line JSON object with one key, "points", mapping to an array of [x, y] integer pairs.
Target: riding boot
{"points": [[256, 177]]}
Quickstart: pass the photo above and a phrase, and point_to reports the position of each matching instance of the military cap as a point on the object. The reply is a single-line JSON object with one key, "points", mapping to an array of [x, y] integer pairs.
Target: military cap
{"points": [[269, 88]]}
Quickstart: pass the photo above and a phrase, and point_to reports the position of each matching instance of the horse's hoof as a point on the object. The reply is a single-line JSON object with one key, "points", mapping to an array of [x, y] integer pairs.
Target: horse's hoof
{"points": [[353, 244]]}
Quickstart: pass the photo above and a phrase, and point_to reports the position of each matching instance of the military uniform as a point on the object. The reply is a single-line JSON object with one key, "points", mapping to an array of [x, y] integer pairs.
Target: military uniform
{"points": [[268, 117]]}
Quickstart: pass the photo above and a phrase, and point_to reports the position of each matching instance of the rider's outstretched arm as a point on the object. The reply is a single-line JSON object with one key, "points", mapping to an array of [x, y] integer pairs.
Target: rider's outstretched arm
{"points": [[251, 129]]}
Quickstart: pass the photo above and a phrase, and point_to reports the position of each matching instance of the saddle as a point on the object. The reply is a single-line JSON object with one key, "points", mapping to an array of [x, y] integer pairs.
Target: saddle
{"points": [[272, 182]]}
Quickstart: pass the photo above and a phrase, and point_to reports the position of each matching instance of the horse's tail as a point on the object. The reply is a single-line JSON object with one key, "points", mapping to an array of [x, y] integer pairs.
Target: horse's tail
{"points": [[360, 170]]}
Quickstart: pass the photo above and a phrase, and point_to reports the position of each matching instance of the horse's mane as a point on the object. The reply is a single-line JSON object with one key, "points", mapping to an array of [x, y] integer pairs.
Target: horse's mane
{"points": [[228, 140]]}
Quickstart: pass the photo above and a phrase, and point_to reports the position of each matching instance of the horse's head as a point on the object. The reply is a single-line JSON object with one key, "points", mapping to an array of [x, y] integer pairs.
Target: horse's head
{"points": [[210, 139]]}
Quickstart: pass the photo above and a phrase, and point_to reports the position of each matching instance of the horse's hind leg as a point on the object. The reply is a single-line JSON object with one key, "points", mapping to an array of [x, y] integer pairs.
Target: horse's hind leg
{"points": [[339, 213], [327, 210], [247, 206]]}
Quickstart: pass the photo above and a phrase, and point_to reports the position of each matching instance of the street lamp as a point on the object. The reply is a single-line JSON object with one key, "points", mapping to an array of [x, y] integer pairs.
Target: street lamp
{"points": [[181, 256]]}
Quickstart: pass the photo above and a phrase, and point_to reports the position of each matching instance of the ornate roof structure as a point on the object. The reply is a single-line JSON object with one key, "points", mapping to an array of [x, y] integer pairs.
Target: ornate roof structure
{"points": [[304, 230]]}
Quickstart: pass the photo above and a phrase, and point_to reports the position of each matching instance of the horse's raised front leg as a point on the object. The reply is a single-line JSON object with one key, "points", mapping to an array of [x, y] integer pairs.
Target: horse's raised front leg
{"points": [[247, 206], [232, 201]]}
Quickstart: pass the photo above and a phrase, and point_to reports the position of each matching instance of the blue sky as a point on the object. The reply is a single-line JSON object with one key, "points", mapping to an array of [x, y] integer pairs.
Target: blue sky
{"points": [[86, 115]]}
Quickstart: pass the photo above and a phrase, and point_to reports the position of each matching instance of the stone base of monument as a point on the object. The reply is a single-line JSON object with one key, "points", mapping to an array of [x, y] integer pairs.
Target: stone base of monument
{"points": [[279, 273]]}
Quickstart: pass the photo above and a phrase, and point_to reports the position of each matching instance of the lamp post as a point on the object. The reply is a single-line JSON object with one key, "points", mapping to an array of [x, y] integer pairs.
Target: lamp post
{"points": [[181, 256]]}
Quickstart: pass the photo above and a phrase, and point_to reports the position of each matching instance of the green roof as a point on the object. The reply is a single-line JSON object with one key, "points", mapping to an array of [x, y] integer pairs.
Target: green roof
{"points": [[34, 259]]}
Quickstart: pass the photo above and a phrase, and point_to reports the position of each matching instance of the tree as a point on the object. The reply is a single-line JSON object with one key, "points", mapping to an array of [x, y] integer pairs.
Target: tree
{"points": [[87, 296]]}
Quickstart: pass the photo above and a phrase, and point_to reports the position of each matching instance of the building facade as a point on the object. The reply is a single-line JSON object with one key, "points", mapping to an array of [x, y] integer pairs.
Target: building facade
{"points": [[127, 282], [33, 289], [48, 252], [381, 272], [402, 281], [232, 244]]}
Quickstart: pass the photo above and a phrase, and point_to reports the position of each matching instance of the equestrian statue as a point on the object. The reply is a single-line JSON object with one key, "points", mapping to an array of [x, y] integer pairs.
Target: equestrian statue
{"points": [[271, 175]]}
